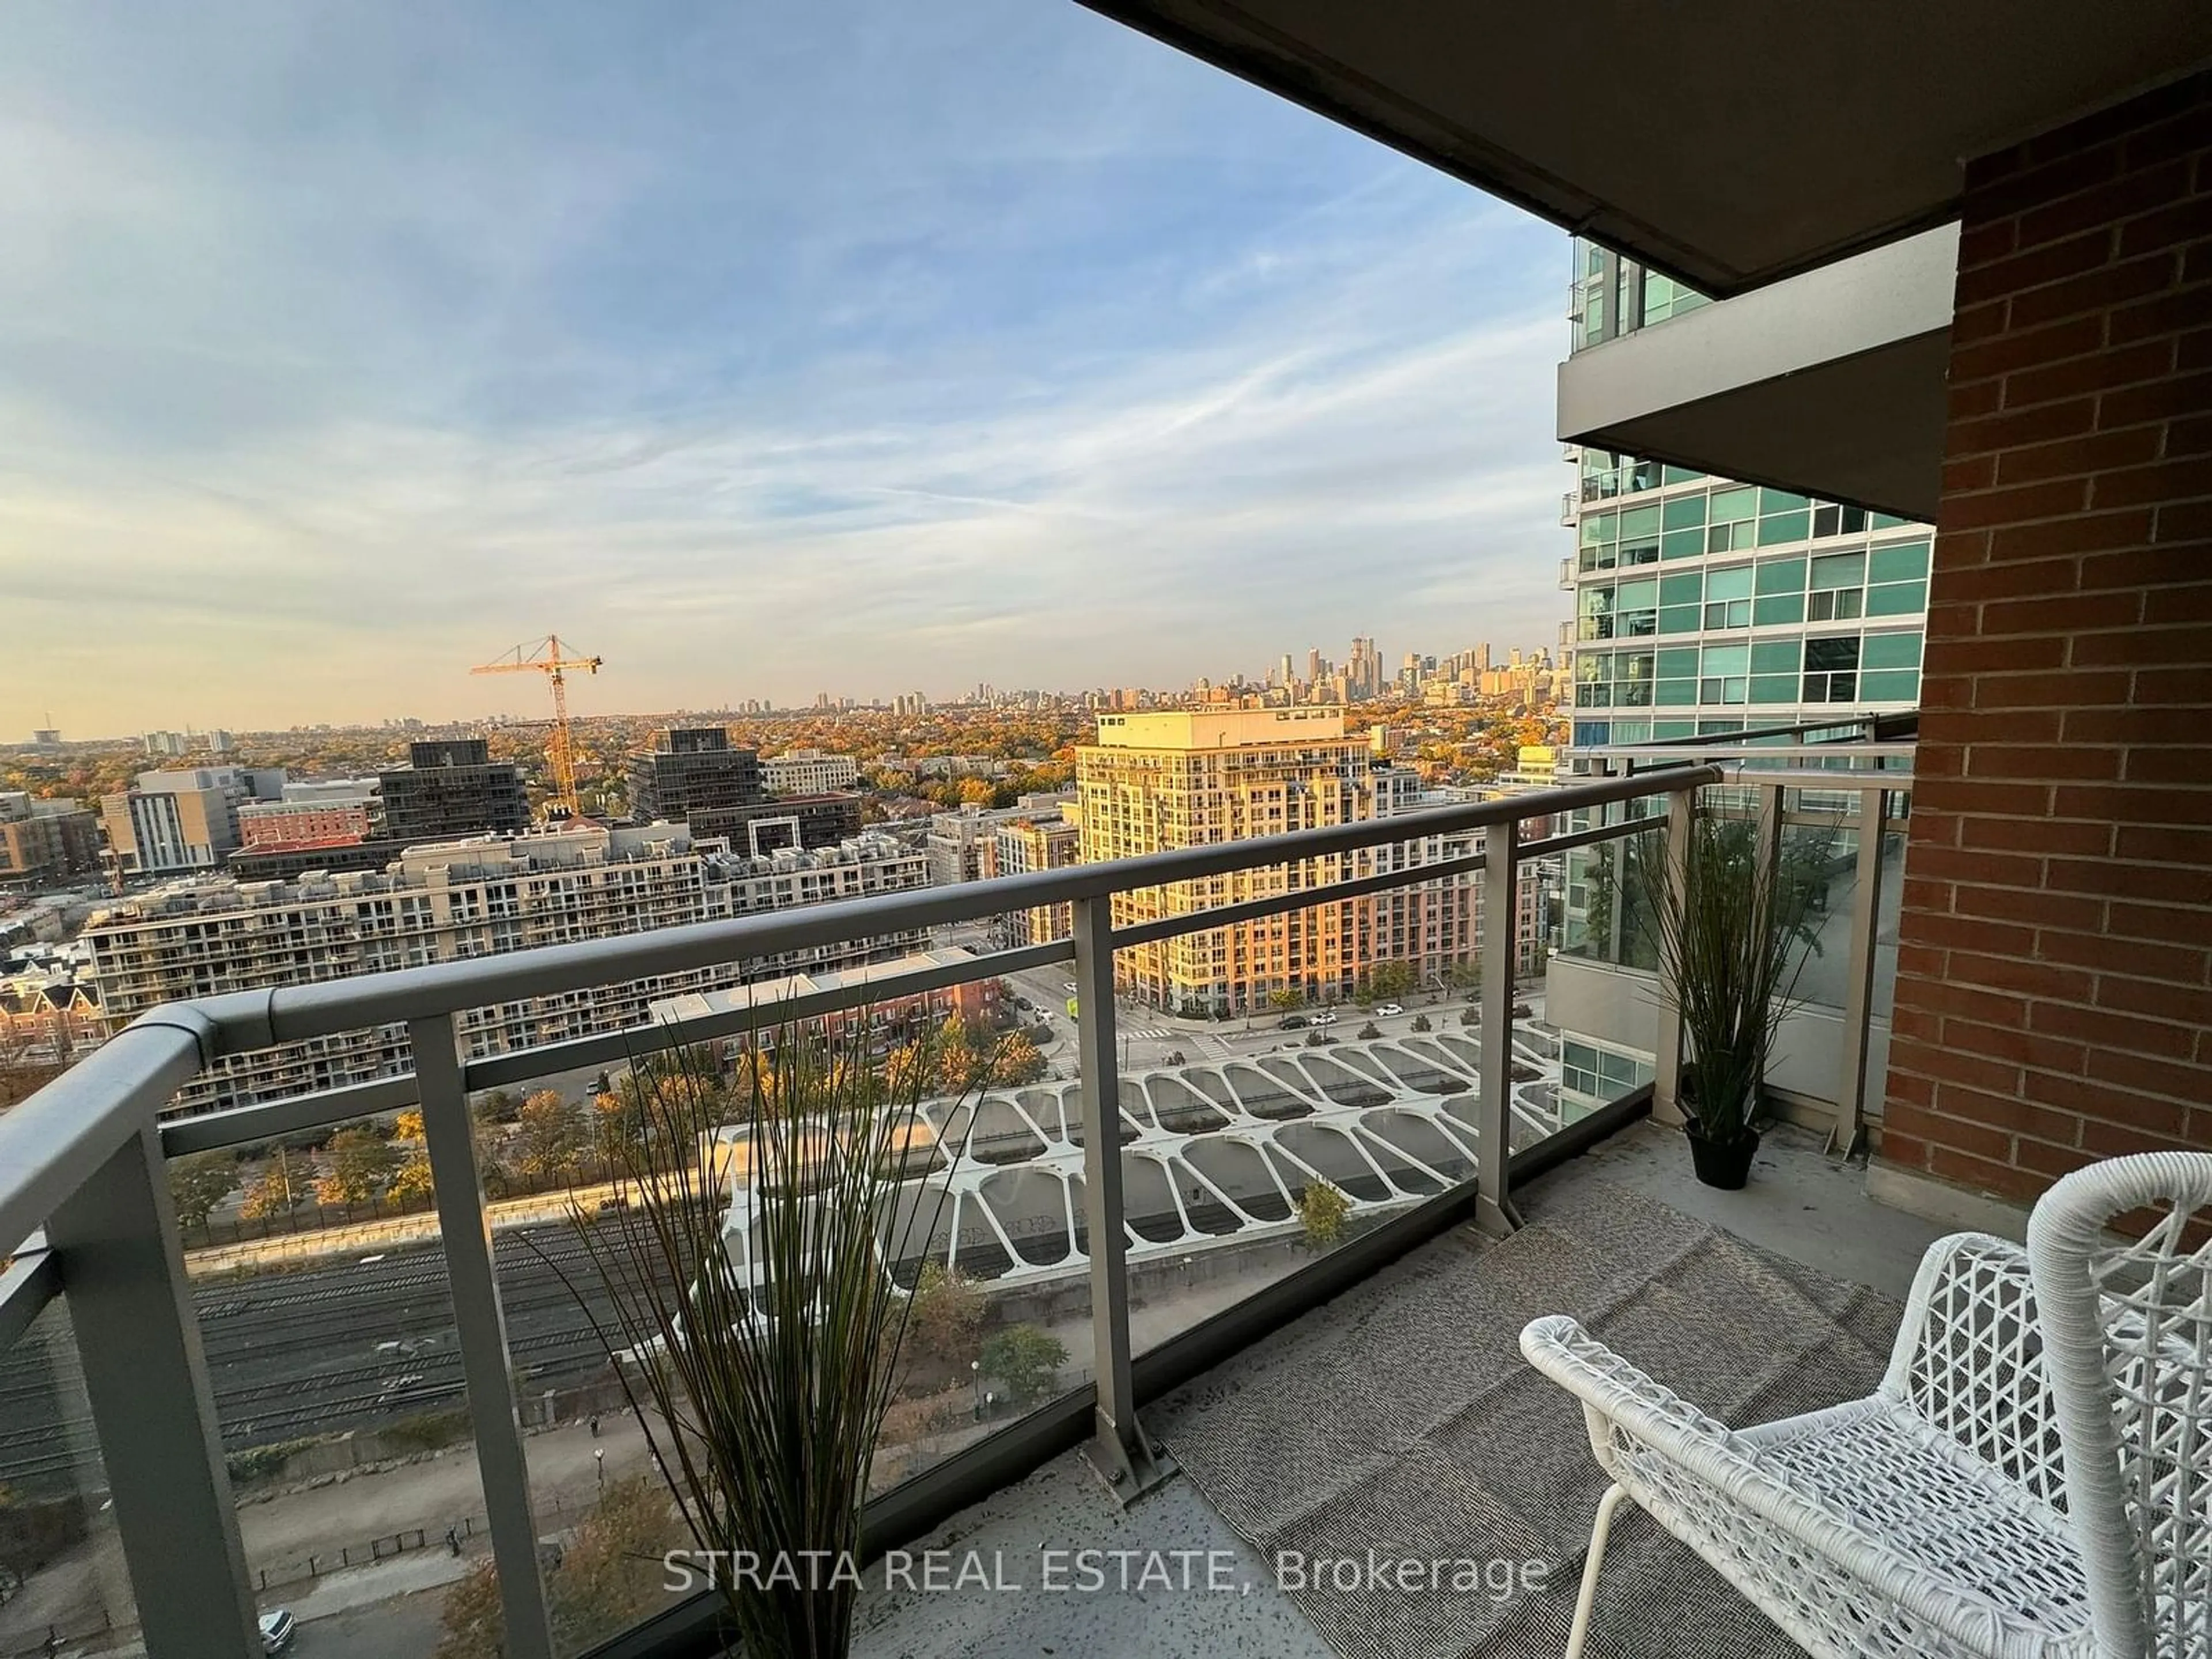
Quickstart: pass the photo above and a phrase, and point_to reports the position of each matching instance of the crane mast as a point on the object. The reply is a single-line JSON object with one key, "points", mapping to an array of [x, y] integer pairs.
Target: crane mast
{"points": [[550, 658]]}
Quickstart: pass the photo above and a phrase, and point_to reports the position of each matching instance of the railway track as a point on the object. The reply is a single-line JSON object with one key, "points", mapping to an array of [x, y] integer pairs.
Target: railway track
{"points": [[324, 1349]]}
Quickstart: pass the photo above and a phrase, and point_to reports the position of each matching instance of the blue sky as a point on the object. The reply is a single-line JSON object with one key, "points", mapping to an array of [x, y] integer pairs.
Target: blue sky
{"points": [[763, 349]]}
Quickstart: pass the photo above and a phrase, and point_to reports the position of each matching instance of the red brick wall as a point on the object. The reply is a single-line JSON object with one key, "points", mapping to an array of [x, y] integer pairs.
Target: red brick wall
{"points": [[2053, 1003]]}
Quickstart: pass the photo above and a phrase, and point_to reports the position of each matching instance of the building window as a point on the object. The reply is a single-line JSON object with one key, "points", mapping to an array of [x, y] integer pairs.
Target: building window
{"points": [[1890, 665], [1838, 588], [1778, 593], [1731, 518], [1832, 669], [1832, 520], [1728, 598], [1724, 674], [1897, 580]]}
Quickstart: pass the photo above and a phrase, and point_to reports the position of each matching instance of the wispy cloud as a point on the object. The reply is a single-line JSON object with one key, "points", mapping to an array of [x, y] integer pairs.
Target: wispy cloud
{"points": [[763, 350]]}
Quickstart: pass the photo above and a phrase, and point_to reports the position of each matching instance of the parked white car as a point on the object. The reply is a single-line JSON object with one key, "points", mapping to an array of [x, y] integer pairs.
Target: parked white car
{"points": [[1388, 1008], [276, 1630]]}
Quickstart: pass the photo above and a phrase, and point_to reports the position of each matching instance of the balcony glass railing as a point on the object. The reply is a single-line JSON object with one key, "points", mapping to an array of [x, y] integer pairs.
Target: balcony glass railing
{"points": [[1831, 798], [1138, 1201]]}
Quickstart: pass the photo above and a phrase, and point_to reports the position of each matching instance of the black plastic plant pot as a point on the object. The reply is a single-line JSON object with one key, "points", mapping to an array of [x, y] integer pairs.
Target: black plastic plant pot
{"points": [[1724, 1163]]}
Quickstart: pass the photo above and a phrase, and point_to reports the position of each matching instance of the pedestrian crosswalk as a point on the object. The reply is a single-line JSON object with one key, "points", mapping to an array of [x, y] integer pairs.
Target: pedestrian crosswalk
{"points": [[1154, 1033]]}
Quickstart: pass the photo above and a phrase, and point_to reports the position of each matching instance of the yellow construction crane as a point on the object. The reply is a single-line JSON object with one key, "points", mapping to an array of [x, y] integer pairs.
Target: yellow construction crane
{"points": [[549, 657]]}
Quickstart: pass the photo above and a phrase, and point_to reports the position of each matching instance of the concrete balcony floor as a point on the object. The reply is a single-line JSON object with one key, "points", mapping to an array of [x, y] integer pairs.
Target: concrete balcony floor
{"points": [[1400, 1418]]}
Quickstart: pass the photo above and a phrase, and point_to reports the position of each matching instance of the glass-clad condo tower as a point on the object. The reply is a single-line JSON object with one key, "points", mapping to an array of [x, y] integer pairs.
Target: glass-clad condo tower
{"points": [[1706, 607]]}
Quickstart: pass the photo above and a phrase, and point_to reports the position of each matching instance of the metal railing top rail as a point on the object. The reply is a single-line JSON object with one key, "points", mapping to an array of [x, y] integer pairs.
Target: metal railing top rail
{"points": [[85, 1157], [1733, 747], [239, 1126], [51, 1143], [1697, 743], [244, 1020]]}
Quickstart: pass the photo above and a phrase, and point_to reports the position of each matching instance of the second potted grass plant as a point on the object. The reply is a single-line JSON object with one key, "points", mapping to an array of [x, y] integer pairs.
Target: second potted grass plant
{"points": [[1733, 935]]}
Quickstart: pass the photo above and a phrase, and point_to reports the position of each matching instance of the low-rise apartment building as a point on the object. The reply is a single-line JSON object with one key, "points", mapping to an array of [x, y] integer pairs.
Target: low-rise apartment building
{"points": [[964, 844], [336, 814], [46, 843], [173, 822], [808, 771], [453, 901]]}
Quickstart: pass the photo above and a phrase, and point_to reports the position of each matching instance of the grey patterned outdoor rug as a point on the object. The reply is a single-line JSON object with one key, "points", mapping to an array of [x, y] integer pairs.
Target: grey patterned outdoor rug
{"points": [[1402, 1419]]}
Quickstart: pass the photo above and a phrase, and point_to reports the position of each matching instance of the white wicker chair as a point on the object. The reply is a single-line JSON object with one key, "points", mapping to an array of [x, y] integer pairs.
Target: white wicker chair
{"points": [[1940, 1515], [2127, 1331]]}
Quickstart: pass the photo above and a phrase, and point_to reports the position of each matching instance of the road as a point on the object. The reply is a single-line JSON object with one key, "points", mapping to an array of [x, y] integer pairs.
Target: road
{"points": [[1149, 1038], [404, 1627]]}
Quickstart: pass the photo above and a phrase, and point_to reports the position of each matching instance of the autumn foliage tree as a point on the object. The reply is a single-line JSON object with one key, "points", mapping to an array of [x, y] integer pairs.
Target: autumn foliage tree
{"points": [[1016, 1060], [550, 1138], [1322, 1210], [608, 1576], [281, 1188], [360, 1163], [946, 1315]]}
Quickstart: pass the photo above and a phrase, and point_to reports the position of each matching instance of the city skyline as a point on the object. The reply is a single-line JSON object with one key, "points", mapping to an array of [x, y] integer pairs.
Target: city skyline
{"points": [[1003, 344], [185, 732]]}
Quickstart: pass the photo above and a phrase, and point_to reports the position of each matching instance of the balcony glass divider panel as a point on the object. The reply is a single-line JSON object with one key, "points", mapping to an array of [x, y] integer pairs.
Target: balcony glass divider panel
{"points": [[1848, 1139], [1667, 1065]]}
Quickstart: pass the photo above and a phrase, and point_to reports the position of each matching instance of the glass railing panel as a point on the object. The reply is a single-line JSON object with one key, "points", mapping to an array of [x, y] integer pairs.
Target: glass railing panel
{"points": [[984, 1239], [1300, 1079], [602, 1509], [63, 1587], [337, 1376], [997, 1245], [1610, 889]]}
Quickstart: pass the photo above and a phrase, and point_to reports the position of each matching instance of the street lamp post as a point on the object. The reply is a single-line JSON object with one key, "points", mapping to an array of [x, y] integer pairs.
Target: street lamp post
{"points": [[599, 1458], [975, 1375]]}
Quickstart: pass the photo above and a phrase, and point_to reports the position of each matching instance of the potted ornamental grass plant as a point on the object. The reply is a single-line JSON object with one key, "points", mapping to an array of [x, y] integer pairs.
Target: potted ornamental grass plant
{"points": [[1734, 936], [749, 1294]]}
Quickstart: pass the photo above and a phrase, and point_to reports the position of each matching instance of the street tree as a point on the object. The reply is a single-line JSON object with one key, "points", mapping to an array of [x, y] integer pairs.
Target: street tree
{"points": [[471, 1624], [959, 1067], [500, 1106], [200, 1181], [549, 1137], [361, 1162], [1016, 1060], [608, 1577], [946, 1314], [277, 1190], [1390, 980], [410, 1183], [1026, 1359]]}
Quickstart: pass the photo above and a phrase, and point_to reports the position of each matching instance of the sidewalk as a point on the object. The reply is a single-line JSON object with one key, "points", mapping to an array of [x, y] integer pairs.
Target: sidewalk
{"points": [[283, 1532], [418, 1229]]}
